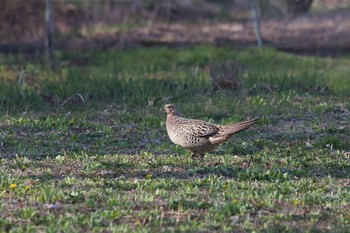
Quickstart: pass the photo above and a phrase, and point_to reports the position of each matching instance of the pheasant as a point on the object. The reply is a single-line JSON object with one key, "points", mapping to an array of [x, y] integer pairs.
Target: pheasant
{"points": [[199, 136]]}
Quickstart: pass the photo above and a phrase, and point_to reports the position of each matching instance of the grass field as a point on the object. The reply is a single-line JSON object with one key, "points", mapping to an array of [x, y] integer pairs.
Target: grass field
{"points": [[84, 148]]}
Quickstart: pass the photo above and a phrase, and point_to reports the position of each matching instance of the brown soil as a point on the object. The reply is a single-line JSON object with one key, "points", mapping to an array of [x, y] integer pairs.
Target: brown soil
{"points": [[319, 34]]}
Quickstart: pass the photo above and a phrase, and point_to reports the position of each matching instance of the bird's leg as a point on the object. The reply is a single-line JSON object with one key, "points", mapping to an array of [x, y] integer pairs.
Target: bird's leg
{"points": [[194, 155]]}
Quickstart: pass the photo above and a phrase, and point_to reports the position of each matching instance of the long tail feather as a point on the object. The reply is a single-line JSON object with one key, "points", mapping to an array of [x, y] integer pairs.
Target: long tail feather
{"points": [[237, 127]]}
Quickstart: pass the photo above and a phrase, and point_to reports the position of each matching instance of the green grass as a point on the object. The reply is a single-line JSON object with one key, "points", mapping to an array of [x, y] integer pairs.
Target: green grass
{"points": [[156, 74], [84, 148]]}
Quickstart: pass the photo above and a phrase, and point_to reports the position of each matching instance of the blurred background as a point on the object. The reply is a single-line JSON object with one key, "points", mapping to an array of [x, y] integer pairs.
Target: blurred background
{"points": [[303, 26]]}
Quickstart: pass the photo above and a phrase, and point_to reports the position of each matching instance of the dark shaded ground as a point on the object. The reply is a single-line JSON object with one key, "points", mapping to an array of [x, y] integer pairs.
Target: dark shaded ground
{"points": [[98, 25]]}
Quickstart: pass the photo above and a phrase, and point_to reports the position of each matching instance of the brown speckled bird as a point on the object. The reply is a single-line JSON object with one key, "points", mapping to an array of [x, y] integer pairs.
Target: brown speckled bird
{"points": [[199, 136]]}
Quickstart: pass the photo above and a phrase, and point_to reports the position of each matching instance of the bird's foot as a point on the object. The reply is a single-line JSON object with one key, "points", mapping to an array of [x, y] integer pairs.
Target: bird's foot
{"points": [[196, 156]]}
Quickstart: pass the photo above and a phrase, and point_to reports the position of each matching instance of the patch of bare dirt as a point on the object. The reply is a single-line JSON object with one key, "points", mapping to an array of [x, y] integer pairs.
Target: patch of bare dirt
{"points": [[312, 33]]}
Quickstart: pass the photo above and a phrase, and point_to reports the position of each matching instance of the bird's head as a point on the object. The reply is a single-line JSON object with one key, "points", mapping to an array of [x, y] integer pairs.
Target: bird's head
{"points": [[170, 109]]}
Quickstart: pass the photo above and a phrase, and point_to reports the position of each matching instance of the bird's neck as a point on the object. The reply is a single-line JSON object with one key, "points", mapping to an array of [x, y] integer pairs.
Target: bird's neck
{"points": [[172, 115]]}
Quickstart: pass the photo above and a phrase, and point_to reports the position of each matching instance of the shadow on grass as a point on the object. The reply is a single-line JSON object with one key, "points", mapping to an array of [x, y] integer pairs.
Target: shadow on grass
{"points": [[202, 170], [125, 176]]}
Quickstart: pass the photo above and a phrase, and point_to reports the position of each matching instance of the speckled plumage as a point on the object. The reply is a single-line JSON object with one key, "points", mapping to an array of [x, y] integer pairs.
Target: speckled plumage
{"points": [[199, 136]]}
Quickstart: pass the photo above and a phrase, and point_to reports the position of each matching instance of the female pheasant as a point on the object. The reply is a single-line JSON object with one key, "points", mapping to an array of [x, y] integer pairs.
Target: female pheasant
{"points": [[199, 136]]}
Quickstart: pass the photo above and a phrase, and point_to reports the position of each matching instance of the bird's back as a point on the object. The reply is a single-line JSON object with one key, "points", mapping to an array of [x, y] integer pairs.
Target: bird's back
{"points": [[189, 133]]}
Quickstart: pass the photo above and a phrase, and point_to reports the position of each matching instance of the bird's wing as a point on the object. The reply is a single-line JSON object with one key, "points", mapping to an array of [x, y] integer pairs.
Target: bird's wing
{"points": [[198, 128]]}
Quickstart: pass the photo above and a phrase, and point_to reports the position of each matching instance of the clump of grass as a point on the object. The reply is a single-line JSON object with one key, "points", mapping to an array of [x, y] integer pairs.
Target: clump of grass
{"points": [[75, 88], [226, 75]]}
